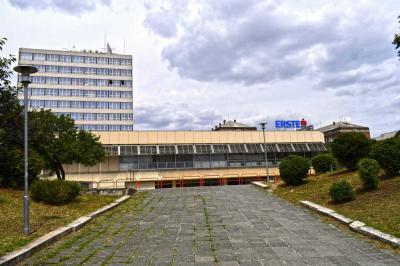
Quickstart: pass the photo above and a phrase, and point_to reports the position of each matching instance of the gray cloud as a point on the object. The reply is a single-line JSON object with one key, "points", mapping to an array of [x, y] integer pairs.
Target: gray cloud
{"points": [[74, 7], [170, 116]]}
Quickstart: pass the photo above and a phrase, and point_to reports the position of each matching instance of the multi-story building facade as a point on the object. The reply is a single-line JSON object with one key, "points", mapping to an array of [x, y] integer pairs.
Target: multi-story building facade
{"points": [[92, 87]]}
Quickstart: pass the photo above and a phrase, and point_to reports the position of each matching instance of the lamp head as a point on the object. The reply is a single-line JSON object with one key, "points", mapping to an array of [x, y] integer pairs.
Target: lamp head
{"points": [[263, 125], [25, 72]]}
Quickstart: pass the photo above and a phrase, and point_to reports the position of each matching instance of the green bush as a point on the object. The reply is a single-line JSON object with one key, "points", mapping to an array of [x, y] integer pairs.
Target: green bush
{"points": [[349, 148], [341, 191], [55, 192], [323, 163], [387, 153], [368, 170], [293, 169]]}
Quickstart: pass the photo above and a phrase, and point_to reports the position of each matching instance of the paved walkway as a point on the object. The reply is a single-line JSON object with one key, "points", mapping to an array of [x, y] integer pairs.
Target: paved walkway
{"points": [[228, 225]]}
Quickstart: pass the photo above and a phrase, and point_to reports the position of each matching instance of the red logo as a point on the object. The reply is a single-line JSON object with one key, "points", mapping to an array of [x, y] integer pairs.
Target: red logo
{"points": [[303, 122]]}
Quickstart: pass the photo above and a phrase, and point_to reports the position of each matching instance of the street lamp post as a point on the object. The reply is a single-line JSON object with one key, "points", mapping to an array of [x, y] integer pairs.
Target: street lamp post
{"points": [[265, 149], [25, 72]]}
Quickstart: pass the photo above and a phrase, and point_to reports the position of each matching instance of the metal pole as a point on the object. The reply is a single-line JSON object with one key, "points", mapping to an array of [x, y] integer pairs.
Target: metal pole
{"points": [[26, 198], [265, 151]]}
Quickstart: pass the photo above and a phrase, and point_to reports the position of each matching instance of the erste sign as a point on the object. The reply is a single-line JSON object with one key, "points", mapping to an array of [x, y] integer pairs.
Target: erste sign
{"points": [[290, 123]]}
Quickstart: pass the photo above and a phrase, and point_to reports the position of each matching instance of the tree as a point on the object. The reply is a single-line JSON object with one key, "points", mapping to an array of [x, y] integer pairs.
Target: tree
{"points": [[368, 170], [387, 153], [323, 163], [11, 132], [349, 148], [59, 142], [396, 40], [293, 169]]}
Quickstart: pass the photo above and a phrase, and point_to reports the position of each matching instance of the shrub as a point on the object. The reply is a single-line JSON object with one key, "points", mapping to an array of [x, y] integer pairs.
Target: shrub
{"points": [[323, 163], [293, 169], [341, 191], [55, 192], [387, 153], [368, 170], [349, 148]]}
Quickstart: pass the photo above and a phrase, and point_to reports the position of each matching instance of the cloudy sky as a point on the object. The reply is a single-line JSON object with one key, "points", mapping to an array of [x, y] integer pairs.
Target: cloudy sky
{"points": [[199, 62]]}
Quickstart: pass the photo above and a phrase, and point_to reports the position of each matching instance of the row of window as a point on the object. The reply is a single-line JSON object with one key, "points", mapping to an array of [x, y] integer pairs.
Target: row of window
{"points": [[79, 104], [80, 93], [97, 116], [74, 59], [105, 127], [83, 70], [81, 81]]}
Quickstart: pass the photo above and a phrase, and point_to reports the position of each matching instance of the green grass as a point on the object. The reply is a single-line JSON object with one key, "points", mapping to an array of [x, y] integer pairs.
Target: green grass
{"points": [[379, 209], [43, 218]]}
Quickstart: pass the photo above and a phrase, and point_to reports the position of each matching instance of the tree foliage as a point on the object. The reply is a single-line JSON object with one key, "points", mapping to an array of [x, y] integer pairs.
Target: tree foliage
{"points": [[387, 153], [294, 169], [341, 191], [349, 148], [368, 170], [396, 40], [323, 163]]}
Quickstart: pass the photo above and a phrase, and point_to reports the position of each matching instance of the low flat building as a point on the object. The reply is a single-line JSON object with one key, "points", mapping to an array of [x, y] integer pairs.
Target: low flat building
{"points": [[336, 128], [151, 159], [387, 135], [232, 125]]}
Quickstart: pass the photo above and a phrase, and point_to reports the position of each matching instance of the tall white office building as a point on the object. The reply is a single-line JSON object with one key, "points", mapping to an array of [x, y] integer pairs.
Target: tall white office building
{"points": [[92, 87]]}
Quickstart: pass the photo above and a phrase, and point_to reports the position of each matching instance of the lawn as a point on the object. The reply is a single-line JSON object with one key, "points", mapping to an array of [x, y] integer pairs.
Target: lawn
{"points": [[379, 209], [43, 218]]}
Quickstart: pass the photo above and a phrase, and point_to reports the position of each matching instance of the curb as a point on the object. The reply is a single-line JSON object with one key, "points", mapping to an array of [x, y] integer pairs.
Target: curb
{"points": [[356, 226], [256, 183], [49, 238]]}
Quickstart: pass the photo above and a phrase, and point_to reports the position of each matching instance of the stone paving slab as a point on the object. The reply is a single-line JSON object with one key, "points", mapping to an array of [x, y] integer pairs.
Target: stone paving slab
{"points": [[226, 225]]}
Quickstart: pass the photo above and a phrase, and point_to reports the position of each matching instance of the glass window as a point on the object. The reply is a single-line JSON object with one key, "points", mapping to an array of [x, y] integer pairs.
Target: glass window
{"points": [[76, 104], [64, 81], [90, 60], [90, 94], [115, 94], [126, 116], [90, 82], [126, 72], [101, 82], [64, 92], [64, 69], [50, 103], [114, 72], [77, 59], [126, 94], [90, 71], [40, 80], [115, 83], [102, 105], [39, 57], [37, 103], [102, 127], [52, 69], [77, 70], [40, 68], [126, 105], [37, 91], [25, 56], [77, 116], [113, 105], [89, 105], [64, 104], [102, 94], [65, 58], [102, 116], [102, 71], [114, 127], [52, 92], [127, 83], [114, 61], [115, 116], [51, 80], [126, 127], [75, 81], [89, 116], [53, 57], [126, 62], [77, 93], [102, 60]]}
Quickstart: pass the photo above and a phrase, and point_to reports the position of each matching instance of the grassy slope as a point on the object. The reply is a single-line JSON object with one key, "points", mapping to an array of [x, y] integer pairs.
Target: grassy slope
{"points": [[379, 209], [43, 218]]}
